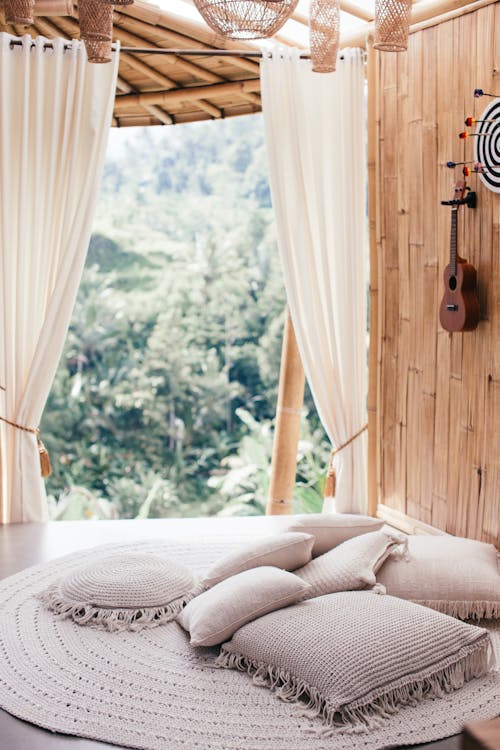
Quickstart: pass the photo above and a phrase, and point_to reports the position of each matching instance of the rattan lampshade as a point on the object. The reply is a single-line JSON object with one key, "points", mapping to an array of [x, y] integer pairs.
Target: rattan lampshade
{"points": [[96, 29], [324, 28], [392, 23], [19, 12], [246, 19]]}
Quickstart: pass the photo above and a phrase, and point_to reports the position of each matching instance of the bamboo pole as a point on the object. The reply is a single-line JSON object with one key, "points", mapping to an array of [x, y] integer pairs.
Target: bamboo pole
{"points": [[158, 77], [166, 26], [163, 117], [127, 101], [287, 430], [374, 297]]}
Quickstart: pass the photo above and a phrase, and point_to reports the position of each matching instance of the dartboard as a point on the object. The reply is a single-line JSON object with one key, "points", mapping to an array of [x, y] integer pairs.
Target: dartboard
{"points": [[487, 147]]}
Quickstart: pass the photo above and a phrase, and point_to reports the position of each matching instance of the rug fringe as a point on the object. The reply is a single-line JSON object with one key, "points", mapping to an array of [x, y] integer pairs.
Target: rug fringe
{"points": [[471, 610], [111, 619], [473, 661]]}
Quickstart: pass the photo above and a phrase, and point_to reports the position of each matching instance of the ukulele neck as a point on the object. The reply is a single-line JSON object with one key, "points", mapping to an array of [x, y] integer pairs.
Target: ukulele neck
{"points": [[453, 241]]}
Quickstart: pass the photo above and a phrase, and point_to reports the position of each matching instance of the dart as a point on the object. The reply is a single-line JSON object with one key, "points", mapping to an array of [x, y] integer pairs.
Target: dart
{"points": [[453, 164], [480, 92], [471, 120], [465, 134]]}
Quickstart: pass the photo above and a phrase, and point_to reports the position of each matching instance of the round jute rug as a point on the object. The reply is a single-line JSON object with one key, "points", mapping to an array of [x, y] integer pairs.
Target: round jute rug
{"points": [[152, 690]]}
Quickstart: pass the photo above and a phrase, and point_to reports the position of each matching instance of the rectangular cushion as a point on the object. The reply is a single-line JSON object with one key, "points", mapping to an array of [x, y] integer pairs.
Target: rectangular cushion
{"points": [[214, 615], [331, 529], [354, 658], [460, 577], [289, 550], [352, 565]]}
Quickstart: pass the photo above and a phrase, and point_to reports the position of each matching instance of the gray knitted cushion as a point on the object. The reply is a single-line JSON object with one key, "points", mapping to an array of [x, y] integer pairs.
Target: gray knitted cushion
{"points": [[331, 529], [354, 658], [287, 551], [460, 577], [122, 592], [353, 564]]}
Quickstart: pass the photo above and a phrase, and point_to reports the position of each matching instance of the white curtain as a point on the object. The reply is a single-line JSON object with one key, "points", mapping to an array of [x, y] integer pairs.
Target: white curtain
{"points": [[315, 136], [55, 115]]}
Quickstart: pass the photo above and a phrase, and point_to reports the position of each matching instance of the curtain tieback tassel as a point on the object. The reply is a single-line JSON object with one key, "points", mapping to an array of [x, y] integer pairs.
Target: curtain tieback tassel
{"points": [[331, 477], [45, 467]]}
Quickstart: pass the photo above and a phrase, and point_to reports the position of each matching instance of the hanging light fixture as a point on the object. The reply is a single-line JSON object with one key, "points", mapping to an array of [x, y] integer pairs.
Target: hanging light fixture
{"points": [[96, 29], [324, 28], [19, 12], [246, 19], [392, 25]]}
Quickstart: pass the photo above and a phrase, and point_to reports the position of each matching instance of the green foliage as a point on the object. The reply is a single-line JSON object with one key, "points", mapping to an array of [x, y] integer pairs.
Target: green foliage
{"points": [[166, 390]]}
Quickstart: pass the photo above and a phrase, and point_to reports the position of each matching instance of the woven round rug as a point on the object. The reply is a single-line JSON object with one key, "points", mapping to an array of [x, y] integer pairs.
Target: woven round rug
{"points": [[152, 690]]}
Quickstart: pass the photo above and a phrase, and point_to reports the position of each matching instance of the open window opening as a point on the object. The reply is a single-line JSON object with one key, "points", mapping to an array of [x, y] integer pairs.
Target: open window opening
{"points": [[165, 396]]}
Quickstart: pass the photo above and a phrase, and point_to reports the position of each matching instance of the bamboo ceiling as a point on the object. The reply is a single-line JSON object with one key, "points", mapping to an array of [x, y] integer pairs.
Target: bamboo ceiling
{"points": [[164, 89]]}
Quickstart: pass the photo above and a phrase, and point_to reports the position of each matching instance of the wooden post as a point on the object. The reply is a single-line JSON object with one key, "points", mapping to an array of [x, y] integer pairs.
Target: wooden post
{"points": [[374, 297], [287, 430]]}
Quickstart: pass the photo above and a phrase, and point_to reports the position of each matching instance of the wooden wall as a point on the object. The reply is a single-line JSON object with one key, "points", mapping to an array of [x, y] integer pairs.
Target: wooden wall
{"points": [[438, 404]]}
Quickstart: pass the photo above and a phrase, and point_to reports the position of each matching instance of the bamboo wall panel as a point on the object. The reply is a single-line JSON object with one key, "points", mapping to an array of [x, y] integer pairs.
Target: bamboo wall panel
{"points": [[438, 393]]}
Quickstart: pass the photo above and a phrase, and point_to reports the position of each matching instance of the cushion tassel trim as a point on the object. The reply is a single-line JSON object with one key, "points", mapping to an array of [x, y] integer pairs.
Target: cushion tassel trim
{"points": [[470, 662], [471, 610], [111, 619]]}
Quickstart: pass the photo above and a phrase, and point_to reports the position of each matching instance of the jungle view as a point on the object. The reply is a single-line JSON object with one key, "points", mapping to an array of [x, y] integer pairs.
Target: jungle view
{"points": [[164, 400]]}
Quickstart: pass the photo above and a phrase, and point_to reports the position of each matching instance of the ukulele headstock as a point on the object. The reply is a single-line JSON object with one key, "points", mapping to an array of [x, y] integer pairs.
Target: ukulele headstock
{"points": [[459, 190]]}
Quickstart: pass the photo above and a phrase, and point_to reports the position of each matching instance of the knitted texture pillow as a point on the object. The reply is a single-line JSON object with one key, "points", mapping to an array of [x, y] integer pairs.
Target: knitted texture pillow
{"points": [[352, 565], [215, 615], [460, 577], [331, 529], [287, 551], [122, 592], [354, 658]]}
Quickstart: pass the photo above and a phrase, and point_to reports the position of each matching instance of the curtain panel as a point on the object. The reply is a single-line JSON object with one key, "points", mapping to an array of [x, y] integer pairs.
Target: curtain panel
{"points": [[54, 123], [316, 144]]}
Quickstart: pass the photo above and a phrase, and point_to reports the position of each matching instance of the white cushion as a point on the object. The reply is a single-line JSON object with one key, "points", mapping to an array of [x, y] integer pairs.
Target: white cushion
{"points": [[216, 614], [331, 529]]}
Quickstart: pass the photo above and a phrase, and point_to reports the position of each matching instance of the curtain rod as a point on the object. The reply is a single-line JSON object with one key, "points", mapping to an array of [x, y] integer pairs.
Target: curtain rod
{"points": [[179, 52]]}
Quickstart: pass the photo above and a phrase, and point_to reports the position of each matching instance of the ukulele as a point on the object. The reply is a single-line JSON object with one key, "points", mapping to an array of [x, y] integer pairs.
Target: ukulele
{"points": [[459, 310]]}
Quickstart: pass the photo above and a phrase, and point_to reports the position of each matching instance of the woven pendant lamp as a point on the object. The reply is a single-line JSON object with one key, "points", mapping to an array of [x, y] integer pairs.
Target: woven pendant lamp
{"points": [[246, 19], [392, 25], [19, 12], [324, 28], [96, 29]]}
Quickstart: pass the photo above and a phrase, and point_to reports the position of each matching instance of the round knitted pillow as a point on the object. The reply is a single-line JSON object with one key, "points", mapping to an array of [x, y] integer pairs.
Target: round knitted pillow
{"points": [[122, 592]]}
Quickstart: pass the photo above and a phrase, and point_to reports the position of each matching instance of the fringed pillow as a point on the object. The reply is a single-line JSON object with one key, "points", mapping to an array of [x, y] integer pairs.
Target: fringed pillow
{"points": [[460, 577], [353, 564], [287, 551], [216, 614], [122, 592], [331, 529], [354, 658]]}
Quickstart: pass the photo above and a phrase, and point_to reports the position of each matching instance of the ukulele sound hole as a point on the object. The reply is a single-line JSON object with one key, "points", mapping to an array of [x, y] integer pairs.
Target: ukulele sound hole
{"points": [[453, 283]]}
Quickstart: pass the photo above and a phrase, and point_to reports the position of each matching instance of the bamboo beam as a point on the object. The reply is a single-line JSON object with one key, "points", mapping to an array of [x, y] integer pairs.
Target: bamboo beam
{"points": [[287, 430], [148, 71], [163, 117], [170, 35], [187, 94], [374, 296], [158, 77]]}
